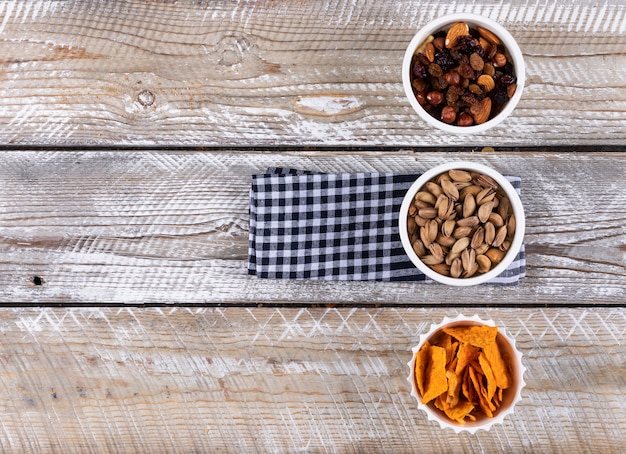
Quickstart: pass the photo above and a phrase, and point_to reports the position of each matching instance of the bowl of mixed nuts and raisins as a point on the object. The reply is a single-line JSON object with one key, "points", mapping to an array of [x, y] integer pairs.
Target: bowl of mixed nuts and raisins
{"points": [[463, 73]]}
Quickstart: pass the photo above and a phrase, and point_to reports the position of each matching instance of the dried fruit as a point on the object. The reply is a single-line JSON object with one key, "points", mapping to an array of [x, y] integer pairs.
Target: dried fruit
{"points": [[476, 62], [454, 72]]}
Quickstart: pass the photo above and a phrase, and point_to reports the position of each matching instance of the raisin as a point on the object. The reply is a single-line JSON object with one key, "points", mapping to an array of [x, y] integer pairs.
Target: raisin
{"points": [[444, 59], [435, 70], [500, 95], [420, 71]]}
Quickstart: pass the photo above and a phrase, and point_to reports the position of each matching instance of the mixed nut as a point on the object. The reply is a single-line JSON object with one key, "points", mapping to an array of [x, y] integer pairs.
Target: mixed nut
{"points": [[463, 76], [461, 223]]}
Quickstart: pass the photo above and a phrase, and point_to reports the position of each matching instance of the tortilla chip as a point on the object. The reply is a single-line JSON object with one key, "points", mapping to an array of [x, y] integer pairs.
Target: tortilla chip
{"points": [[463, 372], [446, 342], [485, 405], [476, 366], [489, 375], [465, 355], [454, 388], [441, 403], [499, 367], [436, 382], [474, 380], [460, 412], [421, 359], [467, 387], [478, 336], [452, 365]]}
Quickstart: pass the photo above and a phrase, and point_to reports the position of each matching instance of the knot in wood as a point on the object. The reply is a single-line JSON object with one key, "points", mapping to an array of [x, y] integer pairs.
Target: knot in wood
{"points": [[145, 98]]}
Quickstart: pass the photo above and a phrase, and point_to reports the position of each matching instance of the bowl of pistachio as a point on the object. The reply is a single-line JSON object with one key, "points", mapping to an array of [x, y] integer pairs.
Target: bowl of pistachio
{"points": [[462, 223]]}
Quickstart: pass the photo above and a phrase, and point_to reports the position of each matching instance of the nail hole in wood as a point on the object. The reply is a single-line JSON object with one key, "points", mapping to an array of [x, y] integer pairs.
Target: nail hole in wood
{"points": [[37, 280]]}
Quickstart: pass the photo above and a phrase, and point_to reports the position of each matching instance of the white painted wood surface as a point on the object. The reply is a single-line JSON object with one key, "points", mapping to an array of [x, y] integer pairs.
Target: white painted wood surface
{"points": [[128, 135], [290, 380], [300, 73], [172, 227]]}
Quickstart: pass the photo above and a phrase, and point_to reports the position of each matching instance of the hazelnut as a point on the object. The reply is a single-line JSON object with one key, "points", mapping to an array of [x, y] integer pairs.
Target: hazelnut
{"points": [[421, 98], [452, 77], [448, 115], [465, 119], [434, 98], [499, 59], [439, 43]]}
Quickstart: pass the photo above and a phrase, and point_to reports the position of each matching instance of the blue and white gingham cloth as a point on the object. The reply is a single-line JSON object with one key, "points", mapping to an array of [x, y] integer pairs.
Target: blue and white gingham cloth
{"points": [[343, 226]]}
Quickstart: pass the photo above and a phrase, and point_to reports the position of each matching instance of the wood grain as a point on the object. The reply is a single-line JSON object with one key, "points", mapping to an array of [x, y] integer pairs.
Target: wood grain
{"points": [[295, 73], [172, 227], [286, 380]]}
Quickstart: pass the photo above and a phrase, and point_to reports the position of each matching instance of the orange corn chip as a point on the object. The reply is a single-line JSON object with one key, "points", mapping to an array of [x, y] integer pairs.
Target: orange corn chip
{"points": [[476, 366], [452, 364], [478, 336], [454, 347], [446, 342], [454, 388], [441, 403], [485, 405], [465, 355], [468, 387], [474, 380], [463, 372], [489, 376], [460, 412], [499, 367], [436, 382], [421, 359]]}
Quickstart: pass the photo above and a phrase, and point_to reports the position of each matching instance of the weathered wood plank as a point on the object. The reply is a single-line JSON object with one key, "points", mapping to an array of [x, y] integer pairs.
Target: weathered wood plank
{"points": [[172, 227], [285, 380], [307, 72]]}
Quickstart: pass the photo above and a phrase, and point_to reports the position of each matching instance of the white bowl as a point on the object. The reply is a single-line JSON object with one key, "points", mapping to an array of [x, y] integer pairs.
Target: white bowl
{"points": [[473, 20], [516, 204], [510, 396]]}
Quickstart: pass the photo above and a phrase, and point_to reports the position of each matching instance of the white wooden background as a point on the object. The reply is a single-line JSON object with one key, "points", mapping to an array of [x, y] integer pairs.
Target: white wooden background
{"points": [[172, 227], [320, 72], [129, 132], [289, 380]]}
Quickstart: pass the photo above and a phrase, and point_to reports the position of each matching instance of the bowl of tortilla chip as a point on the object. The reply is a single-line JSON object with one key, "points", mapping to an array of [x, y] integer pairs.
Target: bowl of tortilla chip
{"points": [[466, 374]]}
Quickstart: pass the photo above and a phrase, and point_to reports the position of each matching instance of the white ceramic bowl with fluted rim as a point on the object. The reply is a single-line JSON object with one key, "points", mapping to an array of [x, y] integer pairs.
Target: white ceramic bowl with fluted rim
{"points": [[473, 20], [516, 205], [510, 396]]}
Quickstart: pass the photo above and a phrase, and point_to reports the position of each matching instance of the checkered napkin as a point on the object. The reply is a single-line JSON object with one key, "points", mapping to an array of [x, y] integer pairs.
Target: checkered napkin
{"points": [[306, 225]]}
